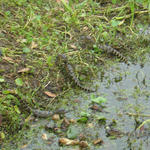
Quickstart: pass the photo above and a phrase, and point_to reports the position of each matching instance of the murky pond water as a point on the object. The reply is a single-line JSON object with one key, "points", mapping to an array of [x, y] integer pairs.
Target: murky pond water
{"points": [[128, 96], [127, 91]]}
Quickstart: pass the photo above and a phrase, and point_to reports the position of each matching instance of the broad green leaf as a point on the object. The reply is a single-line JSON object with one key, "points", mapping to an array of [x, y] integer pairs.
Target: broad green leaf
{"points": [[17, 109], [99, 100], [19, 82], [83, 120], [84, 114], [9, 96], [49, 61], [115, 23], [114, 1], [2, 79], [6, 92], [38, 17], [26, 50], [2, 135]]}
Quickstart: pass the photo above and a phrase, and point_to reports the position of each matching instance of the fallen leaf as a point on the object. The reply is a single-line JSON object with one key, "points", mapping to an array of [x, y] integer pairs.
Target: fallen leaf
{"points": [[44, 136], [23, 40], [98, 141], [73, 46], [10, 60], [24, 70], [2, 14], [72, 121], [85, 28], [66, 121], [56, 117], [33, 45], [50, 94], [66, 141], [90, 125], [24, 146], [83, 144]]}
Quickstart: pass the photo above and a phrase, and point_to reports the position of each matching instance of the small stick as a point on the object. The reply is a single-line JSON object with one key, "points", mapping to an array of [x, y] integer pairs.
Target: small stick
{"points": [[136, 115], [2, 14]]}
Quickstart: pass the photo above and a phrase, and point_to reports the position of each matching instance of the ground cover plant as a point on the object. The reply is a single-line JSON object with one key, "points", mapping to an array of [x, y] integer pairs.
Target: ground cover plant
{"points": [[33, 33]]}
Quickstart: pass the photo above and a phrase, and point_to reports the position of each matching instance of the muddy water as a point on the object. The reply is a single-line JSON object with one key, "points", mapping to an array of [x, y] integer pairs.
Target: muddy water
{"points": [[129, 95], [127, 91]]}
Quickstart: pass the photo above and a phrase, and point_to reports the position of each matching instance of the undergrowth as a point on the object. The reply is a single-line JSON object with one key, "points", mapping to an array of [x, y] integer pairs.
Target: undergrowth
{"points": [[32, 33]]}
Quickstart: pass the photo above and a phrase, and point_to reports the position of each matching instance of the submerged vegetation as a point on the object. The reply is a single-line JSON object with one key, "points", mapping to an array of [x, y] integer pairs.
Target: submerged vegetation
{"points": [[33, 33]]}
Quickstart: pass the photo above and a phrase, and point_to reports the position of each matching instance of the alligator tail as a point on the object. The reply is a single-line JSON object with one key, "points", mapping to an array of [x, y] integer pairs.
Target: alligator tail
{"points": [[119, 56], [114, 51], [76, 80]]}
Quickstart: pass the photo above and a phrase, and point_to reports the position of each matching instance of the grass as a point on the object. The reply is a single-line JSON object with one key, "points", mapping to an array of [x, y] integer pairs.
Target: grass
{"points": [[32, 33]]}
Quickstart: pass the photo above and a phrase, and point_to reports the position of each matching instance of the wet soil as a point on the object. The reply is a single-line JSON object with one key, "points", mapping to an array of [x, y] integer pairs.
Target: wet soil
{"points": [[127, 91]]}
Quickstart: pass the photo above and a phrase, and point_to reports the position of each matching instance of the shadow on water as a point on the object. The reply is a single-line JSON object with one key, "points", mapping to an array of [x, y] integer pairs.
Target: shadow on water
{"points": [[127, 91]]}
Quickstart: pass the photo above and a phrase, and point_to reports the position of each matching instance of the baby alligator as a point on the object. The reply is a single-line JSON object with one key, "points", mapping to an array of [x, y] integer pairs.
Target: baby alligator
{"points": [[71, 73], [38, 112], [45, 113], [109, 49], [35, 112]]}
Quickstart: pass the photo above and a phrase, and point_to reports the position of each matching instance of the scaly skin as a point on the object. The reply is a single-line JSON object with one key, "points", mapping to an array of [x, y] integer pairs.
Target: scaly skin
{"points": [[36, 112], [71, 73], [109, 49], [89, 42]]}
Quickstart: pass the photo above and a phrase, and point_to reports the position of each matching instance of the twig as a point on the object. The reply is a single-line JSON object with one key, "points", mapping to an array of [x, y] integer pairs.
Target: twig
{"points": [[47, 84], [2, 14], [71, 53], [137, 115], [131, 30], [129, 15], [144, 122], [101, 17], [100, 59]]}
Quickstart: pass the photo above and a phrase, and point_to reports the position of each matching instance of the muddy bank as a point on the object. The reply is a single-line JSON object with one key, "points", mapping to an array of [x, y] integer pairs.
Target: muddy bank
{"points": [[126, 90]]}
